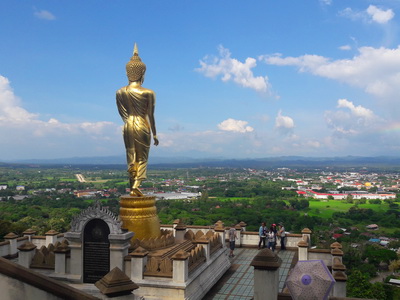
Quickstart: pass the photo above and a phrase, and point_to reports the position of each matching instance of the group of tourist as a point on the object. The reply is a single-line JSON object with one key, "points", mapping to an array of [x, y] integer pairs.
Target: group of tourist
{"points": [[270, 235]]}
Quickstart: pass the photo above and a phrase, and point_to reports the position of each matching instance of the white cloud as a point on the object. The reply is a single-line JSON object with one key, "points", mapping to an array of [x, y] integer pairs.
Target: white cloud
{"points": [[176, 127], [345, 47], [231, 69], [351, 127], [351, 14], [235, 126], [351, 120], [372, 14], [305, 62], [295, 145], [24, 134], [378, 15], [356, 128], [206, 143], [221, 143], [283, 121], [44, 15], [284, 124], [326, 2], [10, 109], [262, 118], [313, 144], [357, 111], [376, 70]]}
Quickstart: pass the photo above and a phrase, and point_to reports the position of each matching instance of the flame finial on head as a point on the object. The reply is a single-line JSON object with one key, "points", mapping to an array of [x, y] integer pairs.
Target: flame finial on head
{"points": [[135, 68]]}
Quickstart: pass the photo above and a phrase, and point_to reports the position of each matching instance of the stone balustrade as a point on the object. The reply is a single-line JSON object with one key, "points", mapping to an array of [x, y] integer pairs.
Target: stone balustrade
{"points": [[245, 238], [338, 270], [61, 252], [170, 233], [26, 253], [184, 265]]}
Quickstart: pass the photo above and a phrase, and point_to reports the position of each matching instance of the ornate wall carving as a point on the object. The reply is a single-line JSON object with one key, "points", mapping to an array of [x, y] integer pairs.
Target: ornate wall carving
{"points": [[96, 212], [196, 258]]}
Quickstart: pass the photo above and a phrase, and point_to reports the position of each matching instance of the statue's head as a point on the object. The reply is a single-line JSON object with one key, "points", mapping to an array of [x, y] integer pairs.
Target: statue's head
{"points": [[135, 68]]}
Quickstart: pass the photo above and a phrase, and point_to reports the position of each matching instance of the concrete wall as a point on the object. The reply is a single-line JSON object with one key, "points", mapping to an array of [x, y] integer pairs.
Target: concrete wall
{"points": [[323, 254], [39, 241], [4, 248], [292, 240], [17, 282], [127, 267], [197, 285], [249, 239], [12, 289], [204, 229], [22, 240], [201, 281]]}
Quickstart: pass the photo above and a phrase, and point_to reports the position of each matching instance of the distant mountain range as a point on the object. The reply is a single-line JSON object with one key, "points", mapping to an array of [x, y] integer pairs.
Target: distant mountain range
{"points": [[386, 162]]}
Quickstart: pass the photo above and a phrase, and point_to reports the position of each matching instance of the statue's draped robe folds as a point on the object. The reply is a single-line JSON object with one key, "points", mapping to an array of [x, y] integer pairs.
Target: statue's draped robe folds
{"points": [[134, 105]]}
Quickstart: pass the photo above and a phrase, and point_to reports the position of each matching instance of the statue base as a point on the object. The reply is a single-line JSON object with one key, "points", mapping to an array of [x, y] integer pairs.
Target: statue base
{"points": [[139, 215]]}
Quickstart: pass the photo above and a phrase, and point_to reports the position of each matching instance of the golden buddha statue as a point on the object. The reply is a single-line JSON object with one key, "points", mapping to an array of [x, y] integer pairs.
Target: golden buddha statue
{"points": [[136, 107]]}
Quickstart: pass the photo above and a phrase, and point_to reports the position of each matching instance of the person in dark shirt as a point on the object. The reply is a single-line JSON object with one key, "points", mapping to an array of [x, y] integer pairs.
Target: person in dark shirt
{"points": [[232, 238]]}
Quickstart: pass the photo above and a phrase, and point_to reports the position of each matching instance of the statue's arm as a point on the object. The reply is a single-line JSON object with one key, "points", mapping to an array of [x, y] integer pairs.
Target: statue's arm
{"points": [[150, 113], [121, 108]]}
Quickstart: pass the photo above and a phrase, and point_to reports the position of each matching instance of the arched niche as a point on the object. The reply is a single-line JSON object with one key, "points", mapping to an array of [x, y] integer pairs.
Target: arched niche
{"points": [[96, 250]]}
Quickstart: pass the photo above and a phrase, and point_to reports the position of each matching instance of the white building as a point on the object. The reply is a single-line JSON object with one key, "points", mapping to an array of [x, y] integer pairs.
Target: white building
{"points": [[341, 196]]}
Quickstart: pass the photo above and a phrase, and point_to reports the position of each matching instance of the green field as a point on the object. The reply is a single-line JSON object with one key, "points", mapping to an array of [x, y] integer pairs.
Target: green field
{"points": [[326, 209], [321, 208]]}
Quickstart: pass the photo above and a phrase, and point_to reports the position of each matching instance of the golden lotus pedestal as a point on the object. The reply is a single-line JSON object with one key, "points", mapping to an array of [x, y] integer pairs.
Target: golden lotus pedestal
{"points": [[139, 215]]}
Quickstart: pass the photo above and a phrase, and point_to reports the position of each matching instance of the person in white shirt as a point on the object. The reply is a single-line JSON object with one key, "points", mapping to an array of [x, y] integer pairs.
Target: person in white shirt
{"points": [[232, 238], [271, 239], [282, 234], [262, 232]]}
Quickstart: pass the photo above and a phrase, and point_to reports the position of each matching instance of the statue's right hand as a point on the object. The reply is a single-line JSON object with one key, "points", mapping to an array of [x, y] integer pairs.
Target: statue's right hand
{"points": [[156, 141]]}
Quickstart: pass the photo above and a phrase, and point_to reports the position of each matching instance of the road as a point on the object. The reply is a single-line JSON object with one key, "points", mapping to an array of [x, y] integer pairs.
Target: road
{"points": [[80, 178]]}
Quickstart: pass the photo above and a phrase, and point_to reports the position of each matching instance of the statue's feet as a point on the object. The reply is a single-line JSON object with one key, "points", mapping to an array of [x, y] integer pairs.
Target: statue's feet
{"points": [[136, 192]]}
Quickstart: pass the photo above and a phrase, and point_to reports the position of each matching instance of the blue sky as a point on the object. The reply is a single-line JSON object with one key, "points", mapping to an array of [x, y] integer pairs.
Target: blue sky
{"points": [[232, 79]]}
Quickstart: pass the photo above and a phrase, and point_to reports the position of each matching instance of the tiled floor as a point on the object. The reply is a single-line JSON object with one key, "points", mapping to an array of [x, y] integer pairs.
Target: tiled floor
{"points": [[237, 282]]}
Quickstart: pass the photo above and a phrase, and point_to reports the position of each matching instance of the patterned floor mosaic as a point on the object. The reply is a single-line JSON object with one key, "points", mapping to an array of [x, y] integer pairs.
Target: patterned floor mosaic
{"points": [[237, 282]]}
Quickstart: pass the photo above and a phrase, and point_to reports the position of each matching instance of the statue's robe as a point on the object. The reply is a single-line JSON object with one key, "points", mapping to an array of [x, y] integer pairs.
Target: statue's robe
{"points": [[133, 106]]}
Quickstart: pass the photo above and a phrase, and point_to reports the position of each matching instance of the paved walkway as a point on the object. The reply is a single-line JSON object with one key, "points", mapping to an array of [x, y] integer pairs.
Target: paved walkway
{"points": [[237, 282]]}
